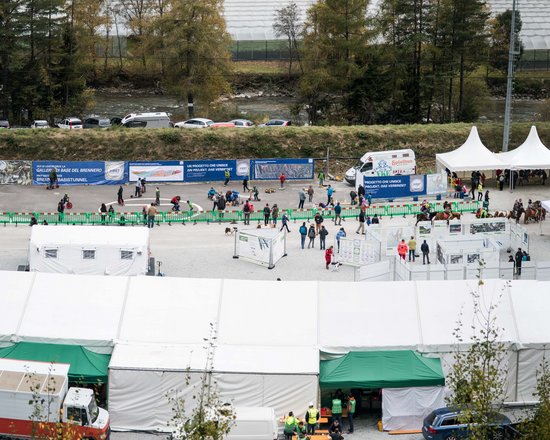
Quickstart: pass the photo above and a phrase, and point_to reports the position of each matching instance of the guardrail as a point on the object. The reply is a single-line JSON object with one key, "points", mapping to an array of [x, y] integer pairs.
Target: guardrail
{"points": [[237, 215]]}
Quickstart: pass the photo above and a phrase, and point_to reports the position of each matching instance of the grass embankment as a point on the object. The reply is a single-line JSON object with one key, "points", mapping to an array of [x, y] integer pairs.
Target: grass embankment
{"points": [[172, 144]]}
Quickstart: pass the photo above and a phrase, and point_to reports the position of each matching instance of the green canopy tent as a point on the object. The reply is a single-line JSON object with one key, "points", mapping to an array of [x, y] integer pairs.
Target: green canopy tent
{"points": [[381, 369], [86, 366]]}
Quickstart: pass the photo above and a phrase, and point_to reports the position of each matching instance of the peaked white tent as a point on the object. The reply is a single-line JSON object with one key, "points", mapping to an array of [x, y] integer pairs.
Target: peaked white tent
{"points": [[532, 154], [470, 156]]}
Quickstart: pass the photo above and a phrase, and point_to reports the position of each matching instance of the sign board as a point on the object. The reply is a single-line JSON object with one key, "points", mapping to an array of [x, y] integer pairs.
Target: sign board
{"points": [[163, 171], [294, 169], [357, 252], [80, 173], [393, 187], [211, 170]]}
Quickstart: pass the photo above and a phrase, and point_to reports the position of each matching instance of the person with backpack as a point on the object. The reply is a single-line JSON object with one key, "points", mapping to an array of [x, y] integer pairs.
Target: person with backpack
{"points": [[311, 235], [340, 234], [290, 426], [322, 237], [303, 234], [275, 214], [284, 220], [246, 212], [318, 219], [267, 214], [338, 214]]}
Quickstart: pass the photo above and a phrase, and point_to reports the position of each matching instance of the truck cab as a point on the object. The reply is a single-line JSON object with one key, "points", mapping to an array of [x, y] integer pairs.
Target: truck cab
{"points": [[383, 163], [80, 408]]}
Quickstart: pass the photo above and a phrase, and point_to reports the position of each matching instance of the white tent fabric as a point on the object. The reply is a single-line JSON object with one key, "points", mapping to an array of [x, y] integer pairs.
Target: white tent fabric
{"points": [[403, 408], [532, 154], [104, 243], [278, 377], [16, 287], [470, 156], [546, 204]]}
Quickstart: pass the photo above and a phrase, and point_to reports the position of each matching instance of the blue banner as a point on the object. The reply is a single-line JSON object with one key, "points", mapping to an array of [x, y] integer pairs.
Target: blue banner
{"points": [[212, 170], [80, 173], [162, 171], [294, 169], [393, 187]]}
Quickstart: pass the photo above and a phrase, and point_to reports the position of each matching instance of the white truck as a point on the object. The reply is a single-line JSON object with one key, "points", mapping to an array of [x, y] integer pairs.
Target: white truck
{"points": [[383, 163], [36, 402]]}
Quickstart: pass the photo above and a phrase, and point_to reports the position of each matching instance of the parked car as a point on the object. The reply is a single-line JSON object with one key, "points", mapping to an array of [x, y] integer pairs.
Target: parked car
{"points": [[446, 424], [97, 123], [70, 124], [242, 123], [194, 123], [4, 124], [40, 123], [276, 123]]}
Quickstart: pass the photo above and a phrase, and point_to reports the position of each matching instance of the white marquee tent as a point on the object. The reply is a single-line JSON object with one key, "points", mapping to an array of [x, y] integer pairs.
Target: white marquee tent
{"points": [[470, 156], [270, 334], [532, 154]]}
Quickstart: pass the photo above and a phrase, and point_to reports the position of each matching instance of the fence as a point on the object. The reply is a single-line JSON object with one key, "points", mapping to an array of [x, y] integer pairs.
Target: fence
{"points": [[169, 217]]}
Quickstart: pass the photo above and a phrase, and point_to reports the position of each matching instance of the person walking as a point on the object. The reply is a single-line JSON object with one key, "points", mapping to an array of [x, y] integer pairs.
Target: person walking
{"points": [[340, 234], [312, 418], [246, 212], [60, 209], [322, 237], [143, 187], [151, 212], [361, 223], [284, 221], [310, 192], [486, 200], [328, 256], [351, 412], [402, 249], [336, 409], [318, 220], [227, 175], [157, 196], [519, 259], [245, 184], [321, 177], [425, 252], [337, 214], [137, 192], [267, 213], [412, 249], [311, 235], [275, 214], [479, 191], [120, 197], [290, 426], [282, 179], [301, 198], [330, 192], [303, 234]]}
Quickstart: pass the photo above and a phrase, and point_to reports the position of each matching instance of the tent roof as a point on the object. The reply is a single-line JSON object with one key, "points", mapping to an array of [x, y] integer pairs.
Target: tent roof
{"points": [[471, 156], [532, 154], [381, 369], [85, 366], [89, 236]]}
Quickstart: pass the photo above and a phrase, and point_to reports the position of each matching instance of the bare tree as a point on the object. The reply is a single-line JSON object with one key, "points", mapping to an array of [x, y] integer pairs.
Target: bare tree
{"points": [[288, 24]]}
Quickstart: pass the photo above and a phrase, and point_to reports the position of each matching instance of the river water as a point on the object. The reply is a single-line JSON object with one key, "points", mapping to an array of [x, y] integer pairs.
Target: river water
{"points": [[119, 104]]}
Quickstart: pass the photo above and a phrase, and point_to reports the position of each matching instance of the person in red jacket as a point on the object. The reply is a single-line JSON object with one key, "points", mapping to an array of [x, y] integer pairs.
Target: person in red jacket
{"points": [[282, 179], [328, 255], [402, 249]]}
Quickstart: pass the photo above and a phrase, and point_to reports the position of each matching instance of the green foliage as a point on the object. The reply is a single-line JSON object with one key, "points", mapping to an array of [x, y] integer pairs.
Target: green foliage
{"points": [[210, 419], [477, 376], [169, 136], [500, 28], [537, 427]]}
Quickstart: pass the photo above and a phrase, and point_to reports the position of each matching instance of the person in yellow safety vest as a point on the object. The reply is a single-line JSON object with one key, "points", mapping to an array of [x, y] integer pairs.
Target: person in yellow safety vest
{"points": [[351, 412], [290, 426], [312, 417], [301, 431], [337, 409]]}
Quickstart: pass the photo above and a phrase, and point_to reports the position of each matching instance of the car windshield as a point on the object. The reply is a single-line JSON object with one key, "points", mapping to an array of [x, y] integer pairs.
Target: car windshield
{"points": [[430, 419], [209, 123], [104, 122], [76, 121], [93, 410]]}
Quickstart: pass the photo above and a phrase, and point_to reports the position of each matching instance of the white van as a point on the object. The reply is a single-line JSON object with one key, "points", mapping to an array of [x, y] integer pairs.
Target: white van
{"points": [[384, 163], [146, 120], [251, 423]]}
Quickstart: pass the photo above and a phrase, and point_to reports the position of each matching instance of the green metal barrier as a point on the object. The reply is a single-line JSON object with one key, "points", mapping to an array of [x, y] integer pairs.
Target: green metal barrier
{"points": [[182, 217]]}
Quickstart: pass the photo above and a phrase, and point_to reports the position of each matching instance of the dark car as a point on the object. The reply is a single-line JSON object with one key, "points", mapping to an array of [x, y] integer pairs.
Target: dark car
{"points": [[447, 424], [97, 123], [117, 120], [4, 124]]}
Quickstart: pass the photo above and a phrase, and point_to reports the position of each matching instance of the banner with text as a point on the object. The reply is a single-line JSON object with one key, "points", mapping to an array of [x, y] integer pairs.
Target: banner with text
{"points": [[80, 173], [393, 187], [212, 170], [294, 169], [162, 171]]}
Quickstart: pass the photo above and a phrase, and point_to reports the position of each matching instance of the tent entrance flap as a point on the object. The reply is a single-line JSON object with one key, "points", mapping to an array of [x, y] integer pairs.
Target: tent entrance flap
{"points": [[381, 369], [86, 366]]}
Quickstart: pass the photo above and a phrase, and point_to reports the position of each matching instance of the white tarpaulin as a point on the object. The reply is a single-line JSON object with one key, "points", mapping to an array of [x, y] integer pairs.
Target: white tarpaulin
{"points": [[89, 250], [532, 154], [406, 408], [471, 156]]}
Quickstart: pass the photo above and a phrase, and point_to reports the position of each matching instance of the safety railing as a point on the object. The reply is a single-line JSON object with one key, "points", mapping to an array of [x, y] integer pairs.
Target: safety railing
{"points": [[236, 215]]}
